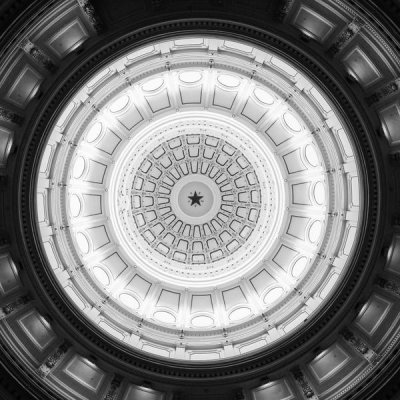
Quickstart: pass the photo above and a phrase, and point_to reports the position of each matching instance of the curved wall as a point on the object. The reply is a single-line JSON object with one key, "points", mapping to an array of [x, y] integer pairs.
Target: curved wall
{"points": [[351, 348]]}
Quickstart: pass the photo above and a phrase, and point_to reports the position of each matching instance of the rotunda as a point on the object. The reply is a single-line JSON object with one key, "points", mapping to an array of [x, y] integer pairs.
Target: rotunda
{"points": [[199, 200]]}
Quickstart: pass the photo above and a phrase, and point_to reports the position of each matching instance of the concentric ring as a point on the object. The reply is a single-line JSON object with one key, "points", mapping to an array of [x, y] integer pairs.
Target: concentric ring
{"points": [[196, 199], [292, 185], [238, 225]]}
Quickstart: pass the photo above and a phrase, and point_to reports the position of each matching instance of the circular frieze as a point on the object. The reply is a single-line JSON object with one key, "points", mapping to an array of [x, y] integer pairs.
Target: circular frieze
{"points": [[199, 200], [197, 207]]}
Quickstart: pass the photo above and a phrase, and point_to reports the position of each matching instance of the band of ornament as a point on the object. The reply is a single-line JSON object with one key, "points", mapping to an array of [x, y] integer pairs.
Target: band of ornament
{"points": [[38, 55], [305, 386], [346, 35], [114, 388], [91, 15], [10, 116], [359, 345], [15, 305], [284, 10], [53, 359], [385, 91]]}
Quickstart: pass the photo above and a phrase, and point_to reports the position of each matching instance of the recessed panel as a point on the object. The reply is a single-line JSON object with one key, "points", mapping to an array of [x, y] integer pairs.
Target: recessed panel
{"points": [[203, 356], [75, 297], [344, 143], [139, 285], [233, 297], [253, 111], [85, 372], [300, 193], [6, 138], [113, 331], [169, 299], [328, 285], [51, 254], [327, 364], [283, 66], [238, 46], [297, 227], [108, 142], [313, 23], [141, 393], [98, 236], [9, 280], [293, 162], [390, 117], [252, 346], [159, 351], [363, 69], [96, 172], [41, 206], [284, 257], [224, 98], [373, 314], [276, 390], [115, 264], [159, 101], [37, 329], [393, 262], [131, 117], [69, 38], [92, 204], [350, 237], [191, 95], [299, 320], [25, 87], [202, 303], [261, 281], [141, 53], [278, 133]]}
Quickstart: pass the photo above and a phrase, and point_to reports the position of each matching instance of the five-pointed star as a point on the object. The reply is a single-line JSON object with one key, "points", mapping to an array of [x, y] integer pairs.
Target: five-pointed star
{"points": [[195, 199]]}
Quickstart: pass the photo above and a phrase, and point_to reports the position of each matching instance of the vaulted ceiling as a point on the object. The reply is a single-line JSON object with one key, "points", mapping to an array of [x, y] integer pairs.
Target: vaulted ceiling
{"points": [[199, 200]]}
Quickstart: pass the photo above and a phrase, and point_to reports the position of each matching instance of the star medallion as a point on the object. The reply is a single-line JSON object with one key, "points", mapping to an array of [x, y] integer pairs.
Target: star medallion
{"points": [[195, 199]]}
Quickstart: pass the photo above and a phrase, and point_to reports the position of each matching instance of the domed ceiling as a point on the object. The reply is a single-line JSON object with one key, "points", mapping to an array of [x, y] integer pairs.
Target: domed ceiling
{"points": [[199, 200]]}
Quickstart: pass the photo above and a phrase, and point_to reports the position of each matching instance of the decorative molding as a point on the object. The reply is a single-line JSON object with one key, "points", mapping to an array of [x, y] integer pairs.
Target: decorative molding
{"points": [[371, 370], [114, 389], [17, 304], [38, 55], [386, 284], [359, 345], [91, 15], [239, 394], [359, 381], [10, 116], [303, 383], [346, 36], [377, 26], [284, 9], [263, 360], [385, 91], [167, 219], [53, 359]]}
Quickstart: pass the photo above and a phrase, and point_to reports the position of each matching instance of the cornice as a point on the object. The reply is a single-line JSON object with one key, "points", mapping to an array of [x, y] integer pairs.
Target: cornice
{"points": [[17, 17]]}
